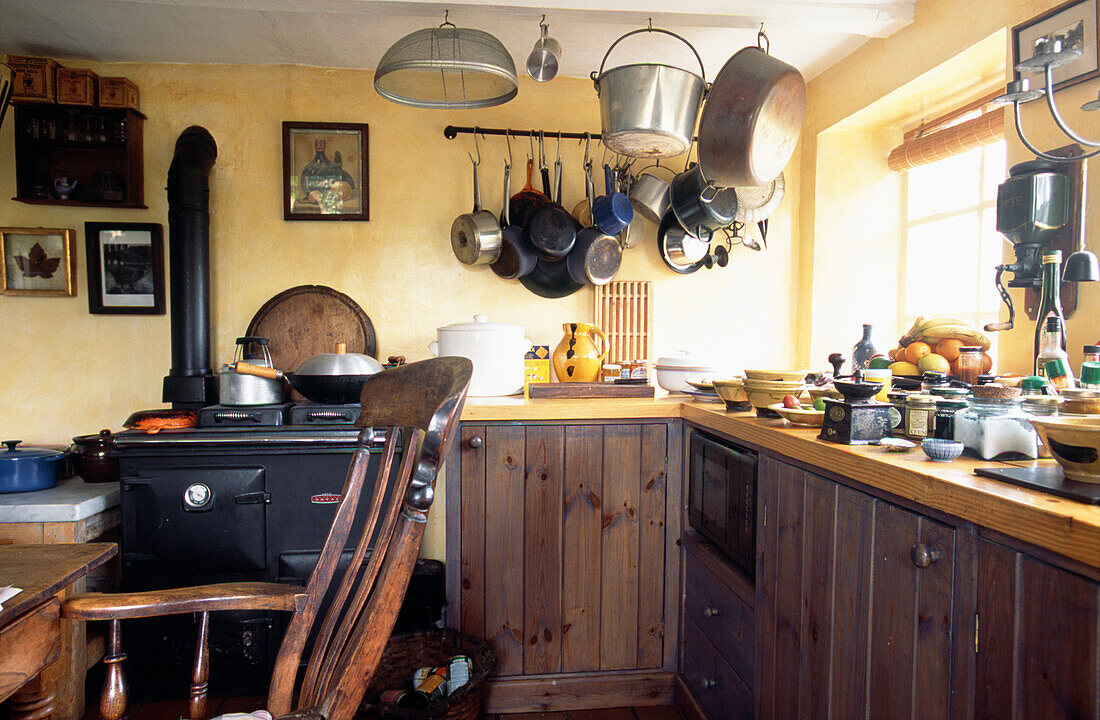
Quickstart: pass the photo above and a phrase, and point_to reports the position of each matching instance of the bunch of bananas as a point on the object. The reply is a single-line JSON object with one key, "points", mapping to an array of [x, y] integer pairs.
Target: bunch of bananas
{"points": [[935, 330]]}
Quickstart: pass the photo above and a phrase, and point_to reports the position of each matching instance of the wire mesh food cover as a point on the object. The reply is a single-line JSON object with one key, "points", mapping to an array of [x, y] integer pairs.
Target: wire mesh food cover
{"points": [[447, 67]]}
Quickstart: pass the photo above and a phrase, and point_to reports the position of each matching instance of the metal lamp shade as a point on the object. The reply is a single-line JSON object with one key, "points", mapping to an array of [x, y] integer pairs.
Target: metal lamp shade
{"points": [[447, 67]]}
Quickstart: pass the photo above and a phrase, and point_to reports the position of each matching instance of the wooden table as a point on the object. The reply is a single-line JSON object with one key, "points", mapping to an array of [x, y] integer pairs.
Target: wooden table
{"points": [[30, 622]]}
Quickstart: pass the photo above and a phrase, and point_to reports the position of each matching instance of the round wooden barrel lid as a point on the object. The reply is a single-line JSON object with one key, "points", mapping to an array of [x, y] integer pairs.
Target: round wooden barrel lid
{"points": [[309, 320]]}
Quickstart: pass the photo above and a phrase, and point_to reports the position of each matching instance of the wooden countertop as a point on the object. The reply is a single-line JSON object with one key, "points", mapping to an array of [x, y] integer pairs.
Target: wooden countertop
{"points": [[1062, 526]]}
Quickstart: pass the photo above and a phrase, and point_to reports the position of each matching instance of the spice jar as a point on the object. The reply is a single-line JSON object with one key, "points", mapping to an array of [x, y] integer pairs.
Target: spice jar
{"points": [[1090, 375], [897, 414], [932, 380], [920, 412], [945, 417], [1092, 353], [995, 425], [1058, 373], [969, 364]]}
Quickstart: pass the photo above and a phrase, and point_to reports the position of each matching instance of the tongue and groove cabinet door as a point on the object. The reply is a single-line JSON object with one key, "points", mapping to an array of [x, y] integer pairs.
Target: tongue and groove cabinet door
{"points": [[856, 605], [562, 541], [1038, 639]]}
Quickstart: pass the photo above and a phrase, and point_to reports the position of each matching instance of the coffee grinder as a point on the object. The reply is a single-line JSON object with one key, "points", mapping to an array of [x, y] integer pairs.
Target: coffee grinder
{"points": [[1033, 205], [857, 419]]}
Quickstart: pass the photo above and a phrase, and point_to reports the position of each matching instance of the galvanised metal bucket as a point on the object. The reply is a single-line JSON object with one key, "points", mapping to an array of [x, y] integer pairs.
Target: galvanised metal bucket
{"points": [[649, 110]]}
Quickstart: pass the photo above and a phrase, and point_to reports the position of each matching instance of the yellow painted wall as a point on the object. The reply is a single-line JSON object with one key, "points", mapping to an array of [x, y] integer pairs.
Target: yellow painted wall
{"points": [[877, 71], [65, 372]]}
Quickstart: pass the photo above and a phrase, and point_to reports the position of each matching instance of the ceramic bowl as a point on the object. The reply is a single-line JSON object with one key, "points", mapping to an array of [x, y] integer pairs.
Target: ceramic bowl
{"points": [[804, 415], [762, 400], [824, 391], [1075, 443], [776, 375], [732, 390], [941, 449]]}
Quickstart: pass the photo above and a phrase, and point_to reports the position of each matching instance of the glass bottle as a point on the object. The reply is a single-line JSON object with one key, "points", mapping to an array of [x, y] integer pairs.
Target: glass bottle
{"points": [[319, 173], [1050, 303], [1057, 372], [1050, 344], [863, 351], [1092, 353]]}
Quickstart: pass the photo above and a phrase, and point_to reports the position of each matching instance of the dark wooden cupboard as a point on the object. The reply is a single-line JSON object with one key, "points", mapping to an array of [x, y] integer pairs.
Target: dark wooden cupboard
{"points": [[861, 605], [563, 537], [1038, 644]]}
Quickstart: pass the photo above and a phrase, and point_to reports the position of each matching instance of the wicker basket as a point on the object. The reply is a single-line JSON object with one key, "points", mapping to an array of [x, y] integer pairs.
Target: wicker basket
{"points": [[405, 653]]}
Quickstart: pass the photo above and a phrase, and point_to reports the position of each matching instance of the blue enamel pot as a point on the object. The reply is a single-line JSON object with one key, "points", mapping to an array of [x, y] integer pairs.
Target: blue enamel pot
{"points": [[29, 468], [611, 212]]}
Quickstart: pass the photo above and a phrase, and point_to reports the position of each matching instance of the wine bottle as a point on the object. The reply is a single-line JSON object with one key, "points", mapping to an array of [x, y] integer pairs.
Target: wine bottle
{"points": [[1050, 303]]}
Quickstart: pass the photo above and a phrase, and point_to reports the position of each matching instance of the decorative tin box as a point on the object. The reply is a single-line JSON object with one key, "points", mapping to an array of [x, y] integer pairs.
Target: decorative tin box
{"points": [[76, 86], [34, 78], [118, 92]]}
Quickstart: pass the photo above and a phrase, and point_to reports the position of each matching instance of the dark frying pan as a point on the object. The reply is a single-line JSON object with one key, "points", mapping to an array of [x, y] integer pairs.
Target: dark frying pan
{"points": [[549, 228], [550, 279], [527, 199], [516, 259]]}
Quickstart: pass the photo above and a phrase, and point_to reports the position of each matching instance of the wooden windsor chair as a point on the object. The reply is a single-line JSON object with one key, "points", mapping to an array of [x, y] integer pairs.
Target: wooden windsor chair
{"points": [[418, 405]]}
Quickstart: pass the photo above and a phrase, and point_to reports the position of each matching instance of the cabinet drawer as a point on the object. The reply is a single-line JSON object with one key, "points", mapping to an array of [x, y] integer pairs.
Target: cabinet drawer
{"points": [[29, 644], [721, 615], [714, 683]]}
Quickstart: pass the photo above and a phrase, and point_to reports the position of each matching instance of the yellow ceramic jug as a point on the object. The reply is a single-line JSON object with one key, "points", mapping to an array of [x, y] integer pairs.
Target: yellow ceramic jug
{"points": [[576, 358]]}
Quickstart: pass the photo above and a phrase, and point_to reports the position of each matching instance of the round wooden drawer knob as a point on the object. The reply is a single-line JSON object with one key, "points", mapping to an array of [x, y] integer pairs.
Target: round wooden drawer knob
{"points": [[711, 611], [923, 556], [474, 442]]}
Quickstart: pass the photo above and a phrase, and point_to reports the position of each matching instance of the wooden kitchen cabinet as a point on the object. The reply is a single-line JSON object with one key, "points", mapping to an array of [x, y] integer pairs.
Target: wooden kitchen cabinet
{"points": [[1038, 639], [862, 606], [561, 545]]}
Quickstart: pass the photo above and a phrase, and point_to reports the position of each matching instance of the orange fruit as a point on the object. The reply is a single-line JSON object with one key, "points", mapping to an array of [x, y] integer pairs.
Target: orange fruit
{"points": [[914, 351], [949, 348], [893, 354], [987, 363]]}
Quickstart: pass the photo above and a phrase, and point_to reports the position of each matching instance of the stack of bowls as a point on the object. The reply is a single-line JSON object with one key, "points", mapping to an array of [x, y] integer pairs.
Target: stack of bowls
{"points": [[674, 371], [732, 392], [768, 387]]}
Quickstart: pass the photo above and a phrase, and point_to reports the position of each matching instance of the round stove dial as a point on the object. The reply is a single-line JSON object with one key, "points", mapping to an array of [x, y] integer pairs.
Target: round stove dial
{"points": [[197, 496]]}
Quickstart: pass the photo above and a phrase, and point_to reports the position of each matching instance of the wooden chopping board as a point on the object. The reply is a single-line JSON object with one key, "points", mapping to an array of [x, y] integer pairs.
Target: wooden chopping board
{"points": [[309, 320]]}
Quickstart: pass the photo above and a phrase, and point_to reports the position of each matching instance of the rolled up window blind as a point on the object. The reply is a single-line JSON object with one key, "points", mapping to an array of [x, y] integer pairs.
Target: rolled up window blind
{"points": [[947, 136]]}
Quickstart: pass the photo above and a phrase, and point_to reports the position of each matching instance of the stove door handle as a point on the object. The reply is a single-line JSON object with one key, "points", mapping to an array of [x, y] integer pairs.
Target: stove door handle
{"points": [[253, 498]]}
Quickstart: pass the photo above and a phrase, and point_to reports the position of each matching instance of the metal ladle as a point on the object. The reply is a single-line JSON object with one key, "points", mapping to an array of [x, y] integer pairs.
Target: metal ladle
{"points": [[542, 63]]}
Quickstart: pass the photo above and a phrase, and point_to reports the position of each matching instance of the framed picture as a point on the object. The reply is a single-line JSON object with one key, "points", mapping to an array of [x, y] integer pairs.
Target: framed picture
{"points": [[1075, 22], [325, 171], [38, 261], [125, 268]]}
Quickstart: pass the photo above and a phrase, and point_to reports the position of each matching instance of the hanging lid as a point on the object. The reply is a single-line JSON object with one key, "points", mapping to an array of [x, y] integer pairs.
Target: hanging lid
{"points": [[15, 453], [447, 67], [481, 324]]}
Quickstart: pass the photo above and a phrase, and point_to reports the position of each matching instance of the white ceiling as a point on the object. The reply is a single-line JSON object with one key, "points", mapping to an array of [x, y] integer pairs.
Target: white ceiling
{"points": [[809, 34]]}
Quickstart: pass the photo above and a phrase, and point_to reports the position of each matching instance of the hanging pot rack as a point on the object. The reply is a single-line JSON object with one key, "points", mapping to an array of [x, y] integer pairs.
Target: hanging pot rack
{"points": [[452, 131]]}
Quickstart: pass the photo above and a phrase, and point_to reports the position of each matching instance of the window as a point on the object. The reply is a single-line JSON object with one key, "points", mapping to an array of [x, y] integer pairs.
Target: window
{"points": [[952, 246]]}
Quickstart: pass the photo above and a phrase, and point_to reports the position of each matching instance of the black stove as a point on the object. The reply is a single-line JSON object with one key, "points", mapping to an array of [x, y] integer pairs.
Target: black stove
{"points": [[232, 501]]}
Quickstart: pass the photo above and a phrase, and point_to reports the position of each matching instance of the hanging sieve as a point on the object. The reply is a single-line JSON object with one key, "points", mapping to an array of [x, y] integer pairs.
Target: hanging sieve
{"points": [[447, 67]]}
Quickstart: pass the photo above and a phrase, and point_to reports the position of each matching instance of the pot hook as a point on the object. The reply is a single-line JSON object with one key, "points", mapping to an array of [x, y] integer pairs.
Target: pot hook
{"points": [[762, 40], [476, 147]]}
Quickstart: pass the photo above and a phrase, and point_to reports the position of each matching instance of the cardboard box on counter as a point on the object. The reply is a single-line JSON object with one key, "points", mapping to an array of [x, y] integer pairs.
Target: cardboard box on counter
{"points": [[536, 365]]}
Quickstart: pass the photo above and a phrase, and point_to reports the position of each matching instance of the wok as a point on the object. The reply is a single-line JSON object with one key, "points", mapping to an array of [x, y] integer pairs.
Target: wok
{"points": [[331, 378]]}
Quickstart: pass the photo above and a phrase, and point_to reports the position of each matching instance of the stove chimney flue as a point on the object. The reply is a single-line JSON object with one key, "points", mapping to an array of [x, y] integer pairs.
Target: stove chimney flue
{"points": [[190, 383]]}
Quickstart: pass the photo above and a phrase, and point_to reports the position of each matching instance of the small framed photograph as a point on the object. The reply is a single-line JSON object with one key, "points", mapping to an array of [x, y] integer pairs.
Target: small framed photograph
{"points": [[38, 261], [125, 268], [325, 171], [1075, 23]]}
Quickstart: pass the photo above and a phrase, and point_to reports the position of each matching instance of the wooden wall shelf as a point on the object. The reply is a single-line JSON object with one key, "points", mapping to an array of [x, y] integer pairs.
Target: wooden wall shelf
{"points": [[100, 148]]}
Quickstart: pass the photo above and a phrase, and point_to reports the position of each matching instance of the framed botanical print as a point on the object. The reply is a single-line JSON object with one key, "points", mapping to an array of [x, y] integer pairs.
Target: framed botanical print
{"points": [[325, 171], [38, 261], [125, 268]]}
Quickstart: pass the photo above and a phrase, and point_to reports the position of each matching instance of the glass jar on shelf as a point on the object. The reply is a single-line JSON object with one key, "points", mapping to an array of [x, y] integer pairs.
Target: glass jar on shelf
{"points": [[996, 426], [920, 412], [969, 364]]}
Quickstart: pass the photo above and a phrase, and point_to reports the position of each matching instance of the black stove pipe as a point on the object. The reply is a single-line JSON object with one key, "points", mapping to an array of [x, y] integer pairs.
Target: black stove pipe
{"points": [[190, 383]]}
